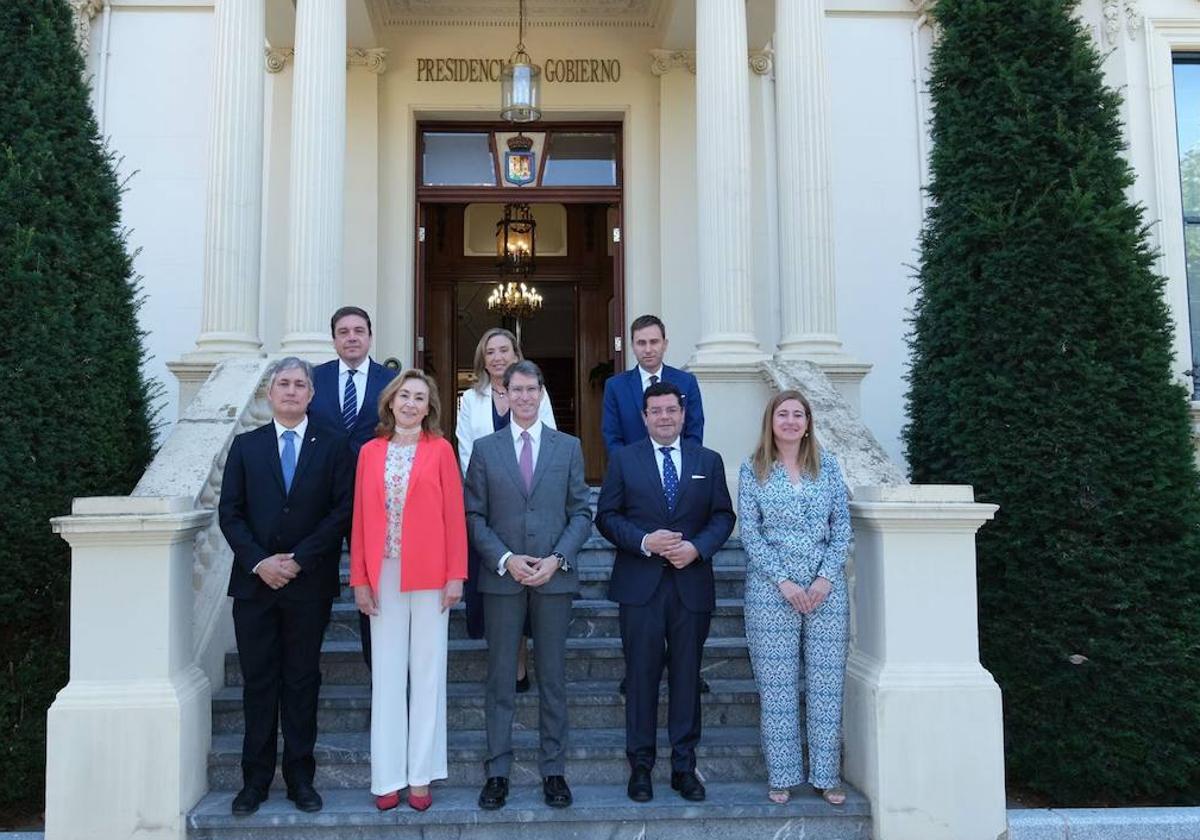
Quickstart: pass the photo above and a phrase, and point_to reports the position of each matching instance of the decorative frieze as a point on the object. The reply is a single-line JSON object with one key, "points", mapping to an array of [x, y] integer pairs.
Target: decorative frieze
{"points": [[83, 12], [373, 59]]}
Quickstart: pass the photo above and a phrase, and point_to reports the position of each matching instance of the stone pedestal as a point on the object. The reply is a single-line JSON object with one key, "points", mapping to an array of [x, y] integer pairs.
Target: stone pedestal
{"points": [[923, 727], [128, 737]]}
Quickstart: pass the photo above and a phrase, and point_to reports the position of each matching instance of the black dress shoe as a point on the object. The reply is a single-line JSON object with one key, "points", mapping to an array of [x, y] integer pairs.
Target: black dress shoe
{"points": [[640, 787], [306, 798], [556, 792], [494, 793], [523, 684], [689, 785], [247, 801]]}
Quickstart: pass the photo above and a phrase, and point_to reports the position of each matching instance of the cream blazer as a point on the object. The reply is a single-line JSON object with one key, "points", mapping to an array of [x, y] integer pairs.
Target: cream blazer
{"points": [[475, 420]]}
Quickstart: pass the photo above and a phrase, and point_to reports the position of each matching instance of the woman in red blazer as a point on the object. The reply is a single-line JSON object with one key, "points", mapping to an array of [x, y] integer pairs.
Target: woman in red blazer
{"points": [[408, 561]]}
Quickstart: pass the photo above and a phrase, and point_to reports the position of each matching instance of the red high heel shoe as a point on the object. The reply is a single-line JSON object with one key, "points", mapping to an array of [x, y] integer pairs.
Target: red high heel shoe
{"points": [[420, 803], [387, 801]]}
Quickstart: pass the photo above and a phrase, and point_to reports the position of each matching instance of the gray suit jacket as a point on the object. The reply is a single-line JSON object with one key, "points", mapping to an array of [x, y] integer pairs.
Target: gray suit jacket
{"points": [[502, 516]]}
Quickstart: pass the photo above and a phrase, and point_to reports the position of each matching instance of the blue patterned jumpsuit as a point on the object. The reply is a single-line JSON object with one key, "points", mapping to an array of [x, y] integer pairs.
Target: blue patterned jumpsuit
{"points": [[797, 533]]}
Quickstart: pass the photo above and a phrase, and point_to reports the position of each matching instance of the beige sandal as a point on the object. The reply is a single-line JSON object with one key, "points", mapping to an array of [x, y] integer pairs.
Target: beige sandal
{"points": [[779, 796], [834, 795]]}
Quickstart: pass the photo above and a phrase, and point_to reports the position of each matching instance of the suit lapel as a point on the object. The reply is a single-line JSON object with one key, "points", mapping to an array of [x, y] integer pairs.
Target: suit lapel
{"points": [[330, 386], [635, 395], [688, 459], [270, 445], [546, 451], [649, 461], [307, 453]]}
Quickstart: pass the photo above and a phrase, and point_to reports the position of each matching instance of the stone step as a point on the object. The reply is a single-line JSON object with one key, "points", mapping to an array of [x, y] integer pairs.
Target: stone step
{"points": [[587, 659], [733, 811], [594, 756], [592, 704], [590, 618]]}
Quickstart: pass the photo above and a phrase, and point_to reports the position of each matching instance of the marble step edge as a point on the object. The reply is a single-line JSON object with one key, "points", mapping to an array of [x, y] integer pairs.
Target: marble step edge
{"points": [[580, 608], [469, 745], [471, 694], [595, 542], [600, 647], [602, 804]]}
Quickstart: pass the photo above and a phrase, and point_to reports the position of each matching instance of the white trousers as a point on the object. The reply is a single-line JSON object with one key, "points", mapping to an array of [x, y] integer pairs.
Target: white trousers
{"points": [[408, 727]]}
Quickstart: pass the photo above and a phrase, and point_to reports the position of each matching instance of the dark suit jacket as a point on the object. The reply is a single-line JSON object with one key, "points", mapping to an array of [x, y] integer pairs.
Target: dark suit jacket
{"points": [[258, 519], [326, 406], [632, 505], [622, 422], [502, 516]]}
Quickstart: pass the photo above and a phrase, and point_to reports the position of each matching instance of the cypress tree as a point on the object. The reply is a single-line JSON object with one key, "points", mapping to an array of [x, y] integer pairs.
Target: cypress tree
{"points": [[75, 417], [1041, 374]]}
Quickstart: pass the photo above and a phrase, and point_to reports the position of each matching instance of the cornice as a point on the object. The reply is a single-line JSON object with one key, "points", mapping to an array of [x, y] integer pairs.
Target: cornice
{"points": [[373, 59], [83, 12], [559, 14], [662, 62]]}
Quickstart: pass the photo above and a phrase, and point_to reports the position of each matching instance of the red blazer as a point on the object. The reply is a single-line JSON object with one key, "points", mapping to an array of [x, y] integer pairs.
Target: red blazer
{"points": [[433, 532]]}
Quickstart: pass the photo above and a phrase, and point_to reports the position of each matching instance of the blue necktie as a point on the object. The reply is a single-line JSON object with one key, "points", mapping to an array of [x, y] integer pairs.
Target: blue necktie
{"points": [[350, 401], [670, 477], [288, 459]]}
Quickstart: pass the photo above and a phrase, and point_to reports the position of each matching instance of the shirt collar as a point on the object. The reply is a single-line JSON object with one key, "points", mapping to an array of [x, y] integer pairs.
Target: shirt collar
{"points": [[363, 367], [646, 374], [658, 446], [535, 431], [299, 429]]}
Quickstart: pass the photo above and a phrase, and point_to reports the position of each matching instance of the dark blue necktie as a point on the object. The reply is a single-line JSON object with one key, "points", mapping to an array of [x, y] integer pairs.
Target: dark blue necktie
{"points": [[670, 477], [288, 459], [350, 400]]}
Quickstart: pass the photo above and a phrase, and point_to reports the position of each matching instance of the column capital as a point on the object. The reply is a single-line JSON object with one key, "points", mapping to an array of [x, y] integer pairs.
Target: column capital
{"points": [[372, 58], [1118, 12], [762, 62]]}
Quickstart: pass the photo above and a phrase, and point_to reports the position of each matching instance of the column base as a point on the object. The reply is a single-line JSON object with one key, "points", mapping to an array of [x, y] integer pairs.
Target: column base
{"points": [[314, 346], [846, 372], [734, 394], [127, 758]]}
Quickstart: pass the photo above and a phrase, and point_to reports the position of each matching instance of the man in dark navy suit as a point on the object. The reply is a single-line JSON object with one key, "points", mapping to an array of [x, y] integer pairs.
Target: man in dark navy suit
{"points": [[622, 422], [348, 388], [664, 504], [347, 397], [285, 507]]}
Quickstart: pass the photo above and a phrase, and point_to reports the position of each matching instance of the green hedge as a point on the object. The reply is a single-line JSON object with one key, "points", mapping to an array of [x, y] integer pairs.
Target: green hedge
{"points": [[1042, 375], [75, 416]]}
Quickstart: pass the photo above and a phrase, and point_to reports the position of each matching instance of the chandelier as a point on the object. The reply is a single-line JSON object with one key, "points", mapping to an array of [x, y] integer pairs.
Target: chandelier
{"points": [[520, 81], [515, 245], [515, 300]]}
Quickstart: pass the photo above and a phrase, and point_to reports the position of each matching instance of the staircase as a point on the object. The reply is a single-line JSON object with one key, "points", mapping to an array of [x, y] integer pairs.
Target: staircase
{"points": [[729, 757]]}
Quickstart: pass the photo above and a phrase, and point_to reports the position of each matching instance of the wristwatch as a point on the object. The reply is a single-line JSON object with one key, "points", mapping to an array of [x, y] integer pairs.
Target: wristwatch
{"points": [[563, 565]]}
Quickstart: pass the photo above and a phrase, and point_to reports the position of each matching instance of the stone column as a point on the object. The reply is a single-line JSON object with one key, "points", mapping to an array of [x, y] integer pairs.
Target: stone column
{"points": [[915, 690], [318, 175], [807, 281], [127, 739], [727, 333], [233, 225]]}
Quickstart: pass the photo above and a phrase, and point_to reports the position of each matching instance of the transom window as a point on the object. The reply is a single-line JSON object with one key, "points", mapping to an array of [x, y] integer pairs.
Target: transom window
{"points": [[578, 155]]}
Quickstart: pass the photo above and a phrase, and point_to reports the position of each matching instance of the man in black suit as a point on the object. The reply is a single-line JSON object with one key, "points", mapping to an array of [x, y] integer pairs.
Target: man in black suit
{"points": [[286, 499], [664, 504], [347, 397]]}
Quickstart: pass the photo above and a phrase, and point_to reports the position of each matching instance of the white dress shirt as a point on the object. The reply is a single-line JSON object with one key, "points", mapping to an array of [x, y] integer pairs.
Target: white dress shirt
{"points": [[535, 434], [360, 382], [299, 429], [676, 459], [645, 374]]}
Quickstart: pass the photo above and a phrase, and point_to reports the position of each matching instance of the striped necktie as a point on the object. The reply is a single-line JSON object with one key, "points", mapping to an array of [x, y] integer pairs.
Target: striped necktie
{"points": [[350, 401]]}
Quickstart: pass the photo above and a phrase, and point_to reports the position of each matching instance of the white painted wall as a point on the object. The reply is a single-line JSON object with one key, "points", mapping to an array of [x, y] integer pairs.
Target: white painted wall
{"points": [[156, 122]]}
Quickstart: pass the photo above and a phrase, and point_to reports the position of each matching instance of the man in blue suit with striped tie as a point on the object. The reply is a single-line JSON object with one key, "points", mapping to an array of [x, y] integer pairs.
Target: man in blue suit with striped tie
{"points": [[622, 422], [346, 396]]}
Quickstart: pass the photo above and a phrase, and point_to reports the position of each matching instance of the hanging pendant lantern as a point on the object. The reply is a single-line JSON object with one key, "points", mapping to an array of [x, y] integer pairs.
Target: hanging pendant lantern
{"points": [[515, 240], [520, 81]]}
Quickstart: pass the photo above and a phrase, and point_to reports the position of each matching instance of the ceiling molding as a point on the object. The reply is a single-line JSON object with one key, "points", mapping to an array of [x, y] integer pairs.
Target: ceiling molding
{"points": [[632, 14]]}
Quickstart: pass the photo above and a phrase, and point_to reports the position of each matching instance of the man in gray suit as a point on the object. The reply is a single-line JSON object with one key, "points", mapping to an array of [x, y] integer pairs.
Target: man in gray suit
{"points": [[527, 516]]}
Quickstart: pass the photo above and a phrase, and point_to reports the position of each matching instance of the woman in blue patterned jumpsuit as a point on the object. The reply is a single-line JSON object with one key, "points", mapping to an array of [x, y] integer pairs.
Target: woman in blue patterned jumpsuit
{"points": [[795, 523]]}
